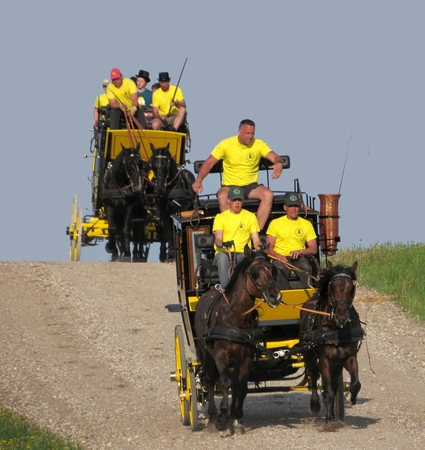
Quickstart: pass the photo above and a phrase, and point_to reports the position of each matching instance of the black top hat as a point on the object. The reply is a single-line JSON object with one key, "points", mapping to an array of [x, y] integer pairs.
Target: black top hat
{"points": [[163, 76], [143, 74]]}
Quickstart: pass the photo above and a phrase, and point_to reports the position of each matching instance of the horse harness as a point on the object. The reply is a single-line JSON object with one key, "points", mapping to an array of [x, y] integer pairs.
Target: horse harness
{"points": [[339, 336]]}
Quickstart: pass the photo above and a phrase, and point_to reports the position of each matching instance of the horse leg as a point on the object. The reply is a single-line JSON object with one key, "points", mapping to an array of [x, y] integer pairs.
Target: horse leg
{"points": [[313, 375], [111, 246], [126, 234], [222, 363], [239, 392], [210, 373], [352, 367], [330, 386]]}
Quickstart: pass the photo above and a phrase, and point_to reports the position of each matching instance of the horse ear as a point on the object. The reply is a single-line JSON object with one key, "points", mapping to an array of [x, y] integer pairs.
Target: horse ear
{"points": [[247, 251], [329, 265], [152, 147], [122, 147], [138, 146], [354, 267], [168, 146]]}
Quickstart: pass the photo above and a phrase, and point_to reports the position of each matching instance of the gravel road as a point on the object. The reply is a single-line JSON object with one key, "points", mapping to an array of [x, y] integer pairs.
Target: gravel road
{"points": [[86, 349]]}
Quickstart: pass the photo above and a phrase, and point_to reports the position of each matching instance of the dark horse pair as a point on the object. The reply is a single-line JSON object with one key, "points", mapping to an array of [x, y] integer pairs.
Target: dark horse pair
{"points": [[227, 332], [132, 199]]}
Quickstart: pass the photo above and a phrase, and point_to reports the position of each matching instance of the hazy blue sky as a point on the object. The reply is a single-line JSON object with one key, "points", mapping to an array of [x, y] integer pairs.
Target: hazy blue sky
{"points": [[309, 73]]}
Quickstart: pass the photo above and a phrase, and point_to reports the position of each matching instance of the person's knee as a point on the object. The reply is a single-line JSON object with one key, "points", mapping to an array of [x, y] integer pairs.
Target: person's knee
{"points": [[267, 196]]}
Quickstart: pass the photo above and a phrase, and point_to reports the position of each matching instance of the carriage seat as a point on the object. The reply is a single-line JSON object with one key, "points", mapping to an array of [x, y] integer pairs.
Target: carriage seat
{"points": [[204, 245]]}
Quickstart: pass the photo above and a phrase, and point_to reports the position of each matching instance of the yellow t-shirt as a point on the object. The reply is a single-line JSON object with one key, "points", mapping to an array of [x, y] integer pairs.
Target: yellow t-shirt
{"points": [[123, 93], [236, 227], [290, 235], [240, 162], [162, 100], [101, 101]]}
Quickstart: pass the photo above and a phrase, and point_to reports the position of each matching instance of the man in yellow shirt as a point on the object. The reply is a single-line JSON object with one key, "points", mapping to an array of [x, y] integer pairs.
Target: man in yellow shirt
{"points": [[291, 238], [100, 105], [241, 159], [168, 104], [233, 229], [122, 95]]}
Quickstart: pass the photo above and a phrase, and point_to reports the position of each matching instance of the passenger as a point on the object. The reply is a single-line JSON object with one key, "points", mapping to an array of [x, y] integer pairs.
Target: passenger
{"points": [[237, 226], [169, 106], [122, 95], [144, 95], [241, 159], [155, 87], [100, 105], [291, 238]]}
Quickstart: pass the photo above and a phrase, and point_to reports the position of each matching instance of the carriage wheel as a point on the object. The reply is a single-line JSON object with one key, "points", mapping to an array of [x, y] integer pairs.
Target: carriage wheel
{"points": [[191, 395], [181, 367], [340, 399], [77, 237], [72, 227]]}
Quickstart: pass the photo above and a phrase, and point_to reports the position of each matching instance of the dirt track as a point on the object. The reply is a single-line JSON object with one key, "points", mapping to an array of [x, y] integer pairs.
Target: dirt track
{"points": [[87, 348]]}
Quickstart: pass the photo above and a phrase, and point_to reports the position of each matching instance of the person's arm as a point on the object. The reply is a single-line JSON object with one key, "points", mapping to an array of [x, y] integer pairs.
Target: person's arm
{"points": [[179, 104], [96, 116], [218, 238], [277, 164], [255, 236], [114, 104], [311, 249], [134, 100], [270, 242], [203, 172]]}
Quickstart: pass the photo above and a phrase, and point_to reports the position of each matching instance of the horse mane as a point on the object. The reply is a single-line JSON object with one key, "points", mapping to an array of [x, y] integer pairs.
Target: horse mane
{"points": [[241, 267], [327, 274]]}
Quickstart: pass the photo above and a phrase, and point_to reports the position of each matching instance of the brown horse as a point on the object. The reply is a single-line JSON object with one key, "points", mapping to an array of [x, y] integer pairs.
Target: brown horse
{"points": [[331, 342], [226, 328]]}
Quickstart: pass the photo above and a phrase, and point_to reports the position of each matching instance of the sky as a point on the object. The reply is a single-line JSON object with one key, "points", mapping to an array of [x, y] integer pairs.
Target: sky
{"points": [[336, 85]]}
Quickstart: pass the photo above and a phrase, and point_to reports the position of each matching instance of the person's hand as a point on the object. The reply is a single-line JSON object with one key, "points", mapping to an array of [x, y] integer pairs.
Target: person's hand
{"points": [[277, 170], [197, 187], [96, 123], [132, 110], [227, 244]]}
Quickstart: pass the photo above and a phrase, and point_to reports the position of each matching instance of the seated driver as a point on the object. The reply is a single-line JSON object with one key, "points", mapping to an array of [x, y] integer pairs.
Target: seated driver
{"points": [[233, 229], [291, 238]]}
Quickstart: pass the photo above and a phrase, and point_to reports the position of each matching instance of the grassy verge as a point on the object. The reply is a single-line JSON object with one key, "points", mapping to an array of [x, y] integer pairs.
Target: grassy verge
{"points": [[17, 433], [396, 270]]}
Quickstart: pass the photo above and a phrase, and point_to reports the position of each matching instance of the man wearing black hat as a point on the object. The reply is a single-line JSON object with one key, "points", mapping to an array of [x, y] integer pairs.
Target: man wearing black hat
{"points": [[169, 106], [233, 229], [144, 95], [291, 238]]}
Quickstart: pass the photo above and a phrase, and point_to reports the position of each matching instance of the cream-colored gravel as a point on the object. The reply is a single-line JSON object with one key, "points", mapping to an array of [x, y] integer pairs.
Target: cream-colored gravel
{"points": [[86, 349]]}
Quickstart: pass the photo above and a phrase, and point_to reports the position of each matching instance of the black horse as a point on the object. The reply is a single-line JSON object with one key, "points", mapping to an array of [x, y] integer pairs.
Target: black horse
{"points": [[330, 342], [169, 184], [122, 186], [226, 326]]}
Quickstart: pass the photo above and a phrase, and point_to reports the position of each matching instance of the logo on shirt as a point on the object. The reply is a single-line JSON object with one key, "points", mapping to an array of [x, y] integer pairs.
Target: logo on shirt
{"points": [[299, 232], [242, 226], [250, 156]]}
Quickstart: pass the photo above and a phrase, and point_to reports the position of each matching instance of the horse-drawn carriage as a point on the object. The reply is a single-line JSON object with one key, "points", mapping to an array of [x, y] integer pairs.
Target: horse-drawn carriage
{"points": [[133, 192], [246, 336]]}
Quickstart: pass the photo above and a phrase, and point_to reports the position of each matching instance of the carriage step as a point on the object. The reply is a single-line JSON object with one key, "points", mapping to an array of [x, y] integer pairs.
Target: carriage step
{"points": [[175, 307]]}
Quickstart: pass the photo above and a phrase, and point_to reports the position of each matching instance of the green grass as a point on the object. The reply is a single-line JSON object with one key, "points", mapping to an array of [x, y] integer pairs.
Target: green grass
{"points": [[18, 433], [396, 270]]}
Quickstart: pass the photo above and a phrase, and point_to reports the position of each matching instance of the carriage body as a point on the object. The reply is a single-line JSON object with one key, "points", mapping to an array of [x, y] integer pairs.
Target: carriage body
{"points": [[280, 326], [106, 145]]}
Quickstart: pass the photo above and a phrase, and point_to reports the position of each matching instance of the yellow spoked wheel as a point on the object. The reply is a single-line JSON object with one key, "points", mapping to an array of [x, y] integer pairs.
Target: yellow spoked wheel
{"points": [[77, 234], [181, 366], [191, 396], [72, 227]]}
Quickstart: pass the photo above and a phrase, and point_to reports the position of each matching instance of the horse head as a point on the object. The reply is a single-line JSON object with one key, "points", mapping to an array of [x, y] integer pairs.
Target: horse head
{"points": [[131, 163], [261, 277], [341, 288], [161, 163]]}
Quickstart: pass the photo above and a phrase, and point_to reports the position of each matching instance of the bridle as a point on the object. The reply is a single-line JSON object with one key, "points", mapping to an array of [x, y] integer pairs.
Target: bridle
{"points": [[343, 278]]}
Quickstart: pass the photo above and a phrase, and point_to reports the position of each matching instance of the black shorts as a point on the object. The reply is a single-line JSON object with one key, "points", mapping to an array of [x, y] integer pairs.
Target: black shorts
{"points": [[246, 189]]}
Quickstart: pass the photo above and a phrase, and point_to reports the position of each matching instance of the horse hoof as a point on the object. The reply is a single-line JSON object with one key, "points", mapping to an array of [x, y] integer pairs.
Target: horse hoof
{"points": [[109, 249], [222, 425], [211, 427], [237, 428], [126, 259]]}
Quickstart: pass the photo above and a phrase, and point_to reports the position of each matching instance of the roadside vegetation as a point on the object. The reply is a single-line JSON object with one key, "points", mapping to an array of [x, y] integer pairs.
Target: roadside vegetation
{"points": [[18, 433], [396, 270]]}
